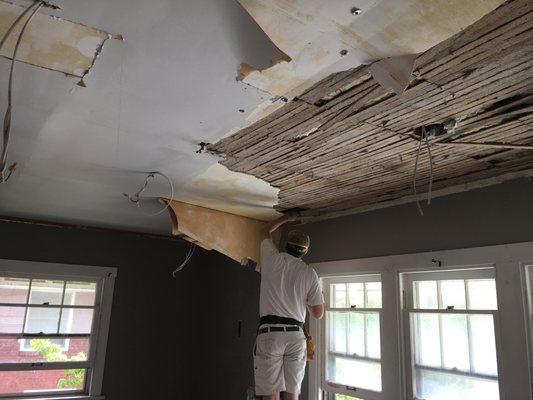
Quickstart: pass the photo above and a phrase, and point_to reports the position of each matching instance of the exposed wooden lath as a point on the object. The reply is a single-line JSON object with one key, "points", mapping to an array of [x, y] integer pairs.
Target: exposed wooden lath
{"points": [[349, 144]]}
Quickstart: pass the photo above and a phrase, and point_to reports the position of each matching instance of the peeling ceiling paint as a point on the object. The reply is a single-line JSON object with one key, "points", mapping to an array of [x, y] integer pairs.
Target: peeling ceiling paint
{"points": [[221, 189], [51, 42]]}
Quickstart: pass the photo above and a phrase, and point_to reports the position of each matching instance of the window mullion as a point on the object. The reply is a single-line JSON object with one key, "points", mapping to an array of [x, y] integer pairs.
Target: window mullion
{"points": [[469, 328], [441, 337], [26, 309], [62, 303]]}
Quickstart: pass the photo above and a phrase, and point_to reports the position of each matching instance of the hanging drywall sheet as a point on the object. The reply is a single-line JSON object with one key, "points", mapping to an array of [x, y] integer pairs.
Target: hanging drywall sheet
{"points": [[51, 42], [233, 235]]}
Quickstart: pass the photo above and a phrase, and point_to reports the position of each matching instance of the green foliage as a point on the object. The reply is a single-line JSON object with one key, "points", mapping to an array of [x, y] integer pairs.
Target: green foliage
{"points": [[51, 352]]}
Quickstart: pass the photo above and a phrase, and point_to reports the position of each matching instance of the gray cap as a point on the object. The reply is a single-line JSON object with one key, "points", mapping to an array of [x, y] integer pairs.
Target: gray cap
{"points": [[298, 238]]}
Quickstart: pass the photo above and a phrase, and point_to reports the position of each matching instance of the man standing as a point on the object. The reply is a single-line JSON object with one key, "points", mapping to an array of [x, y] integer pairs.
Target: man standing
{"points": [[288, 287]]}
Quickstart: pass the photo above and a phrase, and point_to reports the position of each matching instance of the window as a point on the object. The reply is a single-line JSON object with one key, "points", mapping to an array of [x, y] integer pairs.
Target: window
{"points": [[352, 324], [53, 328], [451, 318]]}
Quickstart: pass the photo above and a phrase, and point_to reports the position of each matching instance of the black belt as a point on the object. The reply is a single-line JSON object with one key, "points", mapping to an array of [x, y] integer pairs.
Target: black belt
{"points": [[280, 329], [275, 320]]}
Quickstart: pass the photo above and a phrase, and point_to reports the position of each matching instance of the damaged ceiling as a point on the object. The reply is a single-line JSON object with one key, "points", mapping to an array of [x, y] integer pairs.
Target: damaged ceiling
{"points": [[222, 72], [349, 144]]}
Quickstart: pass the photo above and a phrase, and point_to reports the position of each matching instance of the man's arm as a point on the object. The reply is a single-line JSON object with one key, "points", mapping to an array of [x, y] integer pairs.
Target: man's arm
{"points": [[272, 227], [316, 311]]}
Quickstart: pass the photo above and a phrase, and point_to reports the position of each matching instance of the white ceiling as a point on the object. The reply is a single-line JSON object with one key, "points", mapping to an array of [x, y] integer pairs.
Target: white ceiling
{"points": [[149, 101]]}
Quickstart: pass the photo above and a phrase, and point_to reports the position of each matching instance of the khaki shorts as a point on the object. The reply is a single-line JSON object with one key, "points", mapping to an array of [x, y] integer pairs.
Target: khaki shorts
{"points": [[279, 362]]}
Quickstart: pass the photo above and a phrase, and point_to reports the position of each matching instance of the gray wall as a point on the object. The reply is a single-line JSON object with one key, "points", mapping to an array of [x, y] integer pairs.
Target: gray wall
{"points": [[169, 338], [493, 215], [489, 216]]}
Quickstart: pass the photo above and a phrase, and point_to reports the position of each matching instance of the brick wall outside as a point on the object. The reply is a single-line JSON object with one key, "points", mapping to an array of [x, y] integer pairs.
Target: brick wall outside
{"points": [[12, 382]]}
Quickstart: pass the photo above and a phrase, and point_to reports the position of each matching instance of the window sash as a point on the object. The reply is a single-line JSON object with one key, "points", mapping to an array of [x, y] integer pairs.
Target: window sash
{"points": [[408, 335], [332, 387], [87, 365]]}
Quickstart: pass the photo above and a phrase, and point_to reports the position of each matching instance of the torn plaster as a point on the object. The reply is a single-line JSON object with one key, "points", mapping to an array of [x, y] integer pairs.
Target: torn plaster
{"points": [[221, 189], [51, 42], [313, 34], [394, 73]]}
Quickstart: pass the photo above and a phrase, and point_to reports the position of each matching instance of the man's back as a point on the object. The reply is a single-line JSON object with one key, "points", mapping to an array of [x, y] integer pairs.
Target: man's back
{"points": [[287, 284]]}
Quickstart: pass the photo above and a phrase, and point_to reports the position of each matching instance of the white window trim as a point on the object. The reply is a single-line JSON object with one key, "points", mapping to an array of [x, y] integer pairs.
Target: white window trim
{"points": [[508, 261], [106, 280]]}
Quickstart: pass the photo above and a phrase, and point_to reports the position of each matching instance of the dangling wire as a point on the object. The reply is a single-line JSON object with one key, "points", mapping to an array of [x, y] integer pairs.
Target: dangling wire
{"points": [[424, 137], [7, 116], [416, 172], [185, 261], [430, 168], [136, 197]]}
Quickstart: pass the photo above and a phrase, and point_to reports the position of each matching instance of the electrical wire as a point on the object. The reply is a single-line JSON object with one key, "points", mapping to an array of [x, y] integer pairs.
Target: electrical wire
{"points": [[136, 197], [416, 172], [430, 169], [187, 258], [7, 116], [424, 137]]}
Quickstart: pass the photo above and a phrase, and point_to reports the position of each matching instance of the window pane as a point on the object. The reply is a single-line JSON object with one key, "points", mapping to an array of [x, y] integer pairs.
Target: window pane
{"points": [[373, 294], [426, 339], [356, 294], [482, 294], [46, 292], [361, 374], [344, 397], [42, 320], [28, 382], [43, 350], [434, 385], [373, 335], [80, 293], [11, 319], [483, 345], [338, 295], [453, 294], [455, 342], [426, 294], [338, 331], [14, 290], [76, 320], [357, 334]]}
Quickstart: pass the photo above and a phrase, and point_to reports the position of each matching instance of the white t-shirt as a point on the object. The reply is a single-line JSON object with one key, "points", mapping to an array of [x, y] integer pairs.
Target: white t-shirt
{"points": [[288, 284]]}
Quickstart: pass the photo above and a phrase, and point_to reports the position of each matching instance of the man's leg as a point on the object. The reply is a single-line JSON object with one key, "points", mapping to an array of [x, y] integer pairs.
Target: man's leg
{"points": [[294, 362], [268, 365]]}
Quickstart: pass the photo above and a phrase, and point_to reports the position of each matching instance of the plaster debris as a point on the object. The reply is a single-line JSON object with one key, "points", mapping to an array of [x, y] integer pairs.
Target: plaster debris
{"points": [[53, 43]]}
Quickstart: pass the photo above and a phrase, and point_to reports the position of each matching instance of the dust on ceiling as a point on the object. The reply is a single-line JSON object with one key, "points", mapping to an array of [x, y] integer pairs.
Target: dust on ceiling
{"points": [[349, 144]]}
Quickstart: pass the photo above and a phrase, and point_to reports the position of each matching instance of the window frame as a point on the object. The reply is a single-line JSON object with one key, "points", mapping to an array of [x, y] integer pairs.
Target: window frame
{"points": [[508, 261], [104, 277], [407, 281], [331, 387]]}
